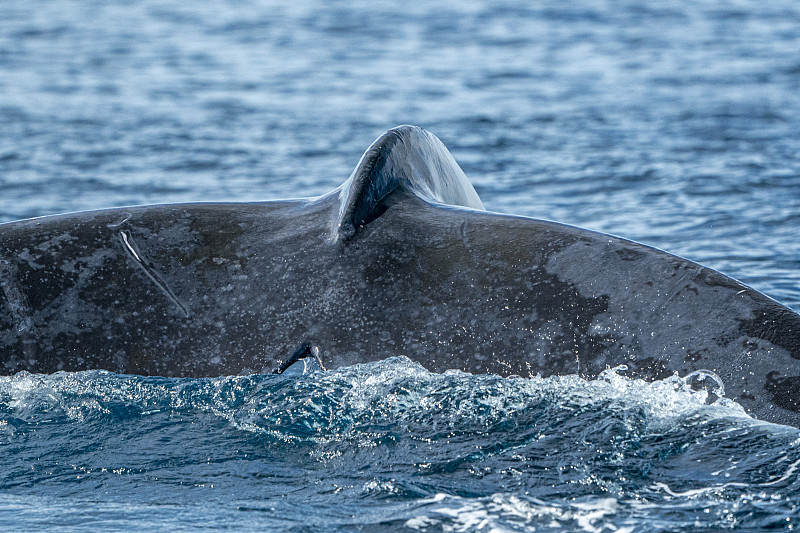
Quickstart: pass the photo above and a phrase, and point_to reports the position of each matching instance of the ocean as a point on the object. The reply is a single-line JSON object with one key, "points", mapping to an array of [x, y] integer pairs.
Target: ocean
{"points": [[675, 124]]}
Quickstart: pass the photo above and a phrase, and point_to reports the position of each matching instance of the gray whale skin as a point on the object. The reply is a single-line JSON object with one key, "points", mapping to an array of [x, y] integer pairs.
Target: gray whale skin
{"points": [[399, 260]]}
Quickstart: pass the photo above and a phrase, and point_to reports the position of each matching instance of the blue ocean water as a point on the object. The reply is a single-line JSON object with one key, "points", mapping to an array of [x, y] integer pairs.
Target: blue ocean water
{"points": [[386, 445], [676, 124]]}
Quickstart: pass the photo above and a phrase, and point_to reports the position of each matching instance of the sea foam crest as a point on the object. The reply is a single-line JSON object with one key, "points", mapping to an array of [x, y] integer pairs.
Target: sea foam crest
{"points": [[300, 406]]}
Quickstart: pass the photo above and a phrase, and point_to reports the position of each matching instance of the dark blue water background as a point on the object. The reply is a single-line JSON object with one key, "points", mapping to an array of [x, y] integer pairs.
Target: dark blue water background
{"points": [[676, 124]]}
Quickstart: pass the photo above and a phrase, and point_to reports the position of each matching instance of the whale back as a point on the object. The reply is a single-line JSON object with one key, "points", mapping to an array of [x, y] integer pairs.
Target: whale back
{"points": [[223, 288]]}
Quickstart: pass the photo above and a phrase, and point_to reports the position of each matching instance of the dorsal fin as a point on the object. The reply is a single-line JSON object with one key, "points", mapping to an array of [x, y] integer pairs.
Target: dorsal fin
{"points": [[404, 158]]}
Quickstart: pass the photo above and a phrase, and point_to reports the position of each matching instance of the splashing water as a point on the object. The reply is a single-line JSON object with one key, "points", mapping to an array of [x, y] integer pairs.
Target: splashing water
{"points": [[390, 444]]}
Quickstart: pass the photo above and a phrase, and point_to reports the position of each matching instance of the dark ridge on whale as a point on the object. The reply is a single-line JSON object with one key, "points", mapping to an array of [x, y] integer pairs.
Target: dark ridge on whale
{"points": [[399, 260], [405, 158]]}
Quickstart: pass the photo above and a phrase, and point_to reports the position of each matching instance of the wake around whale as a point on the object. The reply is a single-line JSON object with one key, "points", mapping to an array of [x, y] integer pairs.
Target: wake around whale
{"points": [[399, 260]]}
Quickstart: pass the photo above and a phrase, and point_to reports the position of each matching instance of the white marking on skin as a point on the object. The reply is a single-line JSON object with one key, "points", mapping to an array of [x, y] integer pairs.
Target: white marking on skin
{"points": [[148, 269]]}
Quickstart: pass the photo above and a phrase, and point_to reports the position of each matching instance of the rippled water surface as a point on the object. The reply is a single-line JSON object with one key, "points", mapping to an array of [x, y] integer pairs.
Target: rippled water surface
{"points": [[387, 444], [676, 124]]}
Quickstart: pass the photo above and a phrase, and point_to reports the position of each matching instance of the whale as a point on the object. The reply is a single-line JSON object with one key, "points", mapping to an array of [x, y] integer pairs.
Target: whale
{"points": [[402, 259]]}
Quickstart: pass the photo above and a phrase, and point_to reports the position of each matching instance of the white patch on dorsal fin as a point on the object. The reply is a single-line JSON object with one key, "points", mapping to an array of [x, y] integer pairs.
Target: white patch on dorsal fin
{"points": [[404, 158]]}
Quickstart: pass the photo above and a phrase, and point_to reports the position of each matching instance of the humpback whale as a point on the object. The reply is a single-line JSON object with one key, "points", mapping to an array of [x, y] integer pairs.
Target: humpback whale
{"points": [[401, 259]]}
